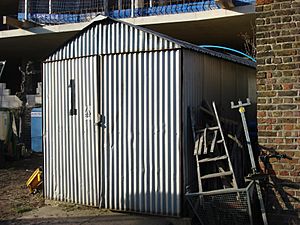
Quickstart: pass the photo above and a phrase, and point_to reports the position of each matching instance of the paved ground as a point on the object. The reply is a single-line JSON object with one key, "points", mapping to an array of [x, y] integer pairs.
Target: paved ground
{"points": [[62, 213]]}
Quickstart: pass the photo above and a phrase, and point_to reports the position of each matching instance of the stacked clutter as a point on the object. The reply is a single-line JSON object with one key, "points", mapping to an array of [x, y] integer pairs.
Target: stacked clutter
{"points": [[36, 99], [10, 123], [8, 101], [223, 196]]}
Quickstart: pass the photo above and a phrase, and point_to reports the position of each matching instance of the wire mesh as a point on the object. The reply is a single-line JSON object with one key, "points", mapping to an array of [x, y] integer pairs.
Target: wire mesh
{"points": [[58, 6], [59, 12], [226, 208]]}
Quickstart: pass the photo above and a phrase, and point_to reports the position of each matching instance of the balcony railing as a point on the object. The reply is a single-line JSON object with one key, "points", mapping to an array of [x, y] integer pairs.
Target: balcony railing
{"points": [[74, 11]]}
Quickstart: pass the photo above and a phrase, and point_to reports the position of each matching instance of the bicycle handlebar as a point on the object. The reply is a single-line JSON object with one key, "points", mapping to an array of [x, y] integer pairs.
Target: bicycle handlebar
{"points": [[265, 158]]}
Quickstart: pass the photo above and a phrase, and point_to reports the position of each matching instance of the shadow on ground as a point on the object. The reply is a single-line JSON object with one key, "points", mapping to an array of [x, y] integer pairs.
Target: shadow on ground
{"points": [[121, 219]]}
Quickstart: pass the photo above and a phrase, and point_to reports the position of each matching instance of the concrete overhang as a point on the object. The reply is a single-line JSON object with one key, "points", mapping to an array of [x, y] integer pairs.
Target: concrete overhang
{"points": [[192, 17], [221, 27], [217, 27], [37, 42]]}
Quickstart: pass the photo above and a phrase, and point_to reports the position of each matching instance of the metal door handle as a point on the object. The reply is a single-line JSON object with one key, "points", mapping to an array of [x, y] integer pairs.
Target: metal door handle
{"points": [[101, 122]]}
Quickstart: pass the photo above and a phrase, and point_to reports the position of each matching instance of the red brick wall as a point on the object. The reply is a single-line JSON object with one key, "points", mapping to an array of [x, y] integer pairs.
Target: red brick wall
{"points": [[278, 88]]}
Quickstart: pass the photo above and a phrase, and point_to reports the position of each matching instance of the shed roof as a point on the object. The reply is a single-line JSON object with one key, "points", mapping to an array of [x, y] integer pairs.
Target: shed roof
{"points": [[182, 44]]}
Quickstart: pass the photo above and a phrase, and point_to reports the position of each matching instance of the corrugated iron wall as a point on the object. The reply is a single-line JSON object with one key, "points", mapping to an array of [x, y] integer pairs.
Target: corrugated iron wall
{"points": [[141, 161], [211, 79], [71, 151], [142, 94], [111, 38]]}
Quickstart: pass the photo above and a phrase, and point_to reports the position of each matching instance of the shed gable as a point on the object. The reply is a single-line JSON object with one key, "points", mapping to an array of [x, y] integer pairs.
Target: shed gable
{"points": [[111, 37]]}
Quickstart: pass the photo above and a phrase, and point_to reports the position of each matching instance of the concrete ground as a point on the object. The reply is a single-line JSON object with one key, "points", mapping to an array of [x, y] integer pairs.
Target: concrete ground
{"points": [[18, 206], [64, 213]]}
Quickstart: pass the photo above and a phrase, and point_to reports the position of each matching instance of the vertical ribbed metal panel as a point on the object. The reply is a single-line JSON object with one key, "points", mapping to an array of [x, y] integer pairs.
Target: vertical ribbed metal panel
{"points": [[211, 79], [71, 143], [141, 161], [111, 38]]}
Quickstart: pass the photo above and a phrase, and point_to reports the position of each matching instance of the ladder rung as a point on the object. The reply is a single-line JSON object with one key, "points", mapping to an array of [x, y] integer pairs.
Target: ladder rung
{"points": [[220, 141], [221, 191], [213, 175], [212, 159]]}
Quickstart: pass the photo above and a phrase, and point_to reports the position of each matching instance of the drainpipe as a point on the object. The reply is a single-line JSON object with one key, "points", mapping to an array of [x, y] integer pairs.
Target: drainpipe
{"points": [[25, 9]]}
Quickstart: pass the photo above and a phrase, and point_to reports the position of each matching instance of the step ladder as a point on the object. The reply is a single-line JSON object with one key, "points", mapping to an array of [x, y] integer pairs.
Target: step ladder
{"points": [[211, 153]]}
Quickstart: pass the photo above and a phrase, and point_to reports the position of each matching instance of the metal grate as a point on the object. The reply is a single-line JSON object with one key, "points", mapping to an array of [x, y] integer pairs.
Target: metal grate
{"points": [[225, 207]]}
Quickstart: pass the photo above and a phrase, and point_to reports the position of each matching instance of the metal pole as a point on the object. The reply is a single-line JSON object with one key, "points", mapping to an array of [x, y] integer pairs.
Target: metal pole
{"points": [[50, 6], [242, 112], [132, 7], [25, 9], [106, 7], [120, 3], [241, 105]]}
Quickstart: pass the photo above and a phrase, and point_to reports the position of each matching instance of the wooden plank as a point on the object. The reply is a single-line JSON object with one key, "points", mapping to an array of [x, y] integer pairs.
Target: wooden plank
{"points": [[200, 145], [196, 145], [213, 143], [205, 141], [208, 128]]}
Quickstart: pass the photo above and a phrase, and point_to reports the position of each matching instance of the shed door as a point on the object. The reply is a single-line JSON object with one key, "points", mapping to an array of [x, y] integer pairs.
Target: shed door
{"points": [[71, 130], [140, 154]]}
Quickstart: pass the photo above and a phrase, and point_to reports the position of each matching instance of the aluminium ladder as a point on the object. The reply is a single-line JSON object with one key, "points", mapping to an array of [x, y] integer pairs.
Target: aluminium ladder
{"points": [[208, 143]]}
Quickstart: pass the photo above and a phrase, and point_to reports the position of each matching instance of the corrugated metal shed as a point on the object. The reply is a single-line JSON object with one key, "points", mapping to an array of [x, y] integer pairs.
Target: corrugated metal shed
{"points": [[115, 114]]}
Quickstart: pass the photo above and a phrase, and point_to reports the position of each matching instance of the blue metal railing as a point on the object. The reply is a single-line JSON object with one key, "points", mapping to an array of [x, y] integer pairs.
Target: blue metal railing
{"points": [[195, 6], [74, 11]]}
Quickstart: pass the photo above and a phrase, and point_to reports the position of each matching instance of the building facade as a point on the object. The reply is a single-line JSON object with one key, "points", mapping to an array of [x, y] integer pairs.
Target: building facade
{"points": [[278, 61]]}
